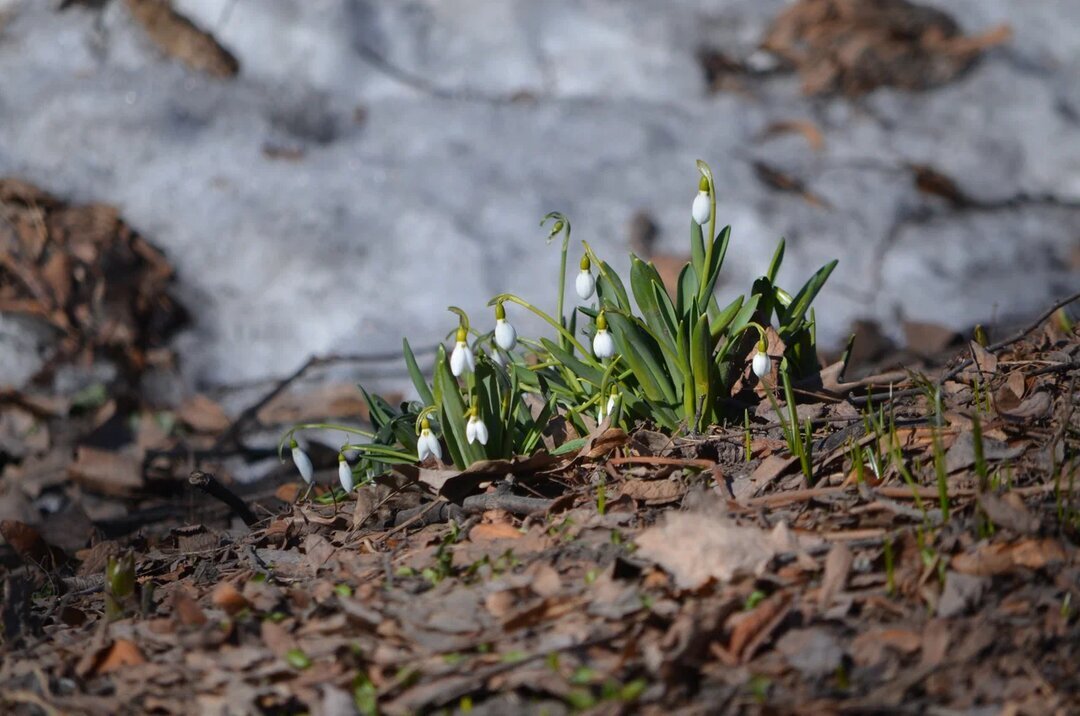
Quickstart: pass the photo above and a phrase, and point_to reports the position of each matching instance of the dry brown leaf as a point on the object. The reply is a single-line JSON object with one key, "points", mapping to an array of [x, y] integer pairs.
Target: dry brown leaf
{"points": [[107, 472], [837, 567], [750, 629], [228, 598], [203, 415], [653, 492], [485, 532], [332, 400], [187, 610], [120, 654], [994, 559], [180, 39], [696, 548], [809, 131]]}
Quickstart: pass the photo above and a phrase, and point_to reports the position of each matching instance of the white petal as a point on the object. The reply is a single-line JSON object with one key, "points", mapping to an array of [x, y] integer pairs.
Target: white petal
{"points": [[505, 335], [458, 359], [481, 432], [603, 345], [470, 430], [303, 464], [470, 359], [585, 285], [761, 364], [424, 448], [345, 476], [497, 358], [428, 445], [611, 405], [702, 208]]}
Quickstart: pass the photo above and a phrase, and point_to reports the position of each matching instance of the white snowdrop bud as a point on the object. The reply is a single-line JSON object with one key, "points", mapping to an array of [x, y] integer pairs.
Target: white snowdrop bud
{"points": [[302, 462]]}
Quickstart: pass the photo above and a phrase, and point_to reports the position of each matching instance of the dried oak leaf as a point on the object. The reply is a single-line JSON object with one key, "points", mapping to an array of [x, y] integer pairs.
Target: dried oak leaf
{"points": [[179, 38], [698, 547]]}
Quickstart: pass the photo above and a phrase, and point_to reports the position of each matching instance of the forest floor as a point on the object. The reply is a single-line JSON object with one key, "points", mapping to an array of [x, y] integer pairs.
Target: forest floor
{"points": [[929, 564]]}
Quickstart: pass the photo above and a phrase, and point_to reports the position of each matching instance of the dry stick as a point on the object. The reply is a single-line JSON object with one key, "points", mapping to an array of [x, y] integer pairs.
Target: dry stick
{"points": [[992, 348], [210, 485], [282, 384], [655, 460]]}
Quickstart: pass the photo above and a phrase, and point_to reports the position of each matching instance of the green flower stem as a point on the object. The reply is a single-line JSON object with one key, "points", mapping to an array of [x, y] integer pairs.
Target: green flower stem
{"points": [[375, 451], [548, 319], [561, 222], [708, 238], [321, 426]]}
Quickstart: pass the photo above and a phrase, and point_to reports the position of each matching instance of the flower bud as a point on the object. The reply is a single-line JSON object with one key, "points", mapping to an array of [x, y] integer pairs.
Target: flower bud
{"points": [[302, 462]]}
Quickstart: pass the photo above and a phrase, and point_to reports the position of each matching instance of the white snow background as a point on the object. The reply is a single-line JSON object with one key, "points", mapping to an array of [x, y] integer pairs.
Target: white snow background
{"points": [[435, 197]]}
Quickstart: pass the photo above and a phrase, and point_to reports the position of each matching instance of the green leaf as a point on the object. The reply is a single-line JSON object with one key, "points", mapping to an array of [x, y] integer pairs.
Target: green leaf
{"points": [[643, 357], [716, 260], [688, 286], [700, 355], [777, 259], [419, 383], [610, 287], [584, 371], [795, 313]]}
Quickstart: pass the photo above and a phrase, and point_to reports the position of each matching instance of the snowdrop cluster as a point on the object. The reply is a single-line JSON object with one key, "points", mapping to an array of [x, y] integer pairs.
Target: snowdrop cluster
{"points": [[630, 350]]}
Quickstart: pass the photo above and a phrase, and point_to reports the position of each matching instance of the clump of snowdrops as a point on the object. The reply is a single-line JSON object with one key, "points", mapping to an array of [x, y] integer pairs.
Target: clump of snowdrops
{"points": [[666, 359]]}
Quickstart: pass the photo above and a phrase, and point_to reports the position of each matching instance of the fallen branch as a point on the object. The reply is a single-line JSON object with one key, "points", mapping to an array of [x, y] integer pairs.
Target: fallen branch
{"points": [[209, 484]]}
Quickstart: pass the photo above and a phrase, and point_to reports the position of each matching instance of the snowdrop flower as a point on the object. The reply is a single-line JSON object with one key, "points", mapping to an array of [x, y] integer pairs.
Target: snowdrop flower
{"points": [[702, 208], [476, 430], [609, 409], [427, 445], [585, 283], [497, 358], [461, 360], [762, 363], [603, 345], [302, 462], [505, 335], [344, 473]]}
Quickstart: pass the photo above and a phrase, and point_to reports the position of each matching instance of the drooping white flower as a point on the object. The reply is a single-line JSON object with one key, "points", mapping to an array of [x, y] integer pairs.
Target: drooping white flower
{"points": [[427, 444], [607, 410], [603, 345], [497, 358], [302, 462], [344, 473], [762, 363], [476, 430], [461, 359], [585, 284], [702, 207], [505, 334]]}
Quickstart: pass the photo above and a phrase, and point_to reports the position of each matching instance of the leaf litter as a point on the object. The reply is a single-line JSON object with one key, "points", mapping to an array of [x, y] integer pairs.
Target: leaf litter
{"points": [[930, 561]]}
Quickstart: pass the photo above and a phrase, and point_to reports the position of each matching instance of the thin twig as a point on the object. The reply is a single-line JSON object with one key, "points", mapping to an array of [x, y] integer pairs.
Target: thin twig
{"points": [[232, 433], [967, 362], [210, 485]]}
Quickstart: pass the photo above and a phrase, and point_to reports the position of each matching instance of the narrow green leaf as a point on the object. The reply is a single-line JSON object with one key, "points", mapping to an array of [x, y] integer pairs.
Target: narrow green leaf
{"points": [[777, 259], [795, 313], [419, 383]]}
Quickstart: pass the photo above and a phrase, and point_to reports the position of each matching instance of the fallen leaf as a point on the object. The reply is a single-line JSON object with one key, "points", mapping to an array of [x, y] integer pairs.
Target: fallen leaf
{"points": [[500, 530], [837, 567], [107, 472], [203, 415], [696, 548], [814, 652], [228, 598], [121, 653], [179, 38], [653, 492], [962, 593], [1009, 511]]}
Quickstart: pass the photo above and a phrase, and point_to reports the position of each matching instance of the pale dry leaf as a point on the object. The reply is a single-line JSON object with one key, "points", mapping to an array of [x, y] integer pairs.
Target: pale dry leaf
{"points": [[696, 548]]}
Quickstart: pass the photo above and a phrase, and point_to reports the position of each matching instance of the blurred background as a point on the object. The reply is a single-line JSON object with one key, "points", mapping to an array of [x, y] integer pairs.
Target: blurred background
{"points": [[210, 191]]}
